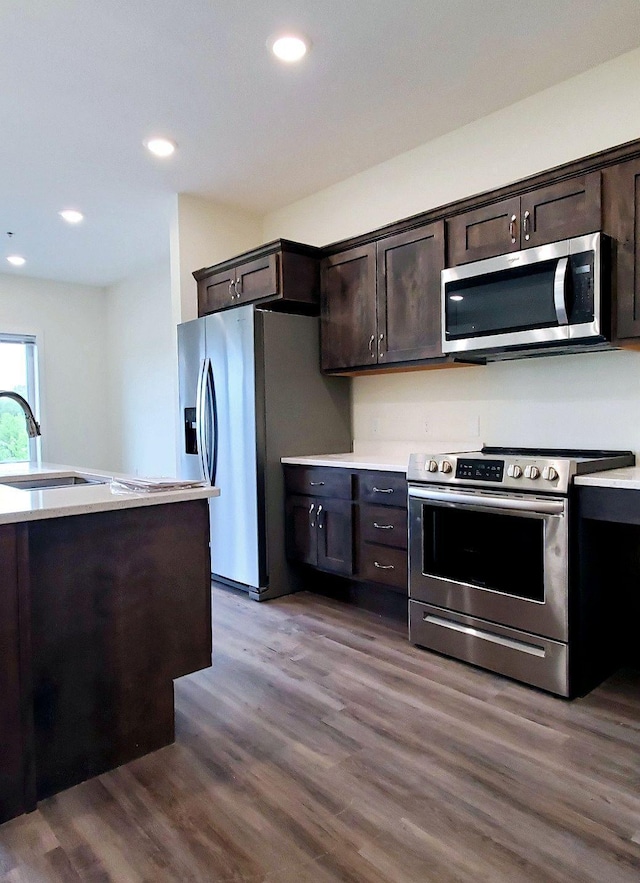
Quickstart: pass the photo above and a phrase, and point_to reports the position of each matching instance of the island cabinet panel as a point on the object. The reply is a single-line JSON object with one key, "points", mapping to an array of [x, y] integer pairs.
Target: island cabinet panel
{"points": [[13, 750], [120, 606], [348, 322], [560, 210], [409, 267], [622, 223]]}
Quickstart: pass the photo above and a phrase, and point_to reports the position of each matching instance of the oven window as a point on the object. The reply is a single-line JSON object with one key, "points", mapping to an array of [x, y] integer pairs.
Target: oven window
{"points": [[501, 552]]}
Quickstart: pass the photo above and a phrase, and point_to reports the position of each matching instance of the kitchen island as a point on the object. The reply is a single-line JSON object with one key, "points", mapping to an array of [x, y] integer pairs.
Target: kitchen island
{"points": [[104, 601]]}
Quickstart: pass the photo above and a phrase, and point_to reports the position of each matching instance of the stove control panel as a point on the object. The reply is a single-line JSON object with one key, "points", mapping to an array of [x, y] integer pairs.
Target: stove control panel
{"points": [[490, 471], [480, 470]]}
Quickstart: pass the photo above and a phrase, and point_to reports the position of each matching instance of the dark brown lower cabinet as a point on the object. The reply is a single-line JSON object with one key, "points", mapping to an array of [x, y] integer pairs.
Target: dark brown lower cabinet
{"points": [[365, 541], [319, 533], [98, 614]]}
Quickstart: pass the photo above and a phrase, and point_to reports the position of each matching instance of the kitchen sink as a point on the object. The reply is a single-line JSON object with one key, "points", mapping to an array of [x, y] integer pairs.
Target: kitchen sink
{"points": [[46, 482]]}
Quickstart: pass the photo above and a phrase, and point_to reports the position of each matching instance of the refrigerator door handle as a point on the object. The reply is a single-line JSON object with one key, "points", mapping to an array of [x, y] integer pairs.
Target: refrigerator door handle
{"points": [[200, 420], [211, 404]]}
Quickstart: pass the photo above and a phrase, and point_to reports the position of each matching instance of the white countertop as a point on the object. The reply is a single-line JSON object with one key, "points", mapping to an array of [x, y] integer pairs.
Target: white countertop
{"points": [[17, 504], [386, 459], [627, 478]]}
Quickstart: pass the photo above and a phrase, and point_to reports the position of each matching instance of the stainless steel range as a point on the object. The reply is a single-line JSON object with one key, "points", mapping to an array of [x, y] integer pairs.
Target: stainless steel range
{"points": [[490, 548]]}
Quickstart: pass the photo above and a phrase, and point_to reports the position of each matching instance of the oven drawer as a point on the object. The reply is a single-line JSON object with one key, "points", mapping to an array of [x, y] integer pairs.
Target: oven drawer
{"points": [[381, 564], [383, 525], [537, 661]]}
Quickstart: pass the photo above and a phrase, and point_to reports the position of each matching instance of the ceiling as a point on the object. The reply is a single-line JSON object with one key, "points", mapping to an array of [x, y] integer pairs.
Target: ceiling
{"points": [[83, 84]]}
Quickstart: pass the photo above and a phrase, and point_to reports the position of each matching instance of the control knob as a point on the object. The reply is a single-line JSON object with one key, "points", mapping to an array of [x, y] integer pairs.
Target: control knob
{"points": [[549, 473], [531, 472], [514, 471], [432, 466], [445, 466]]}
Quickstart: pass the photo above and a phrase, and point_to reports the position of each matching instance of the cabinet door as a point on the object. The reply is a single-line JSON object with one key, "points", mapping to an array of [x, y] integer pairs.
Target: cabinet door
{"points": [[562, 210], [257, 279], [409, 266], [216, 292], [348, 309], [622, 222], [300, 529], [335, 536], [484, 232]]}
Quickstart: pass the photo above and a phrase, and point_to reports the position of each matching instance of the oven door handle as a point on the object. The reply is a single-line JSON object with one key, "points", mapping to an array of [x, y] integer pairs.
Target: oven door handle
{"points": [[536, 506]]}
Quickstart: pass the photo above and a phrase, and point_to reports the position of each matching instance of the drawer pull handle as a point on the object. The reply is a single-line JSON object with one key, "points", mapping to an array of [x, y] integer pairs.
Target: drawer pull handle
{"points": [[382, 490], [382, 526], [316, 483], [383, 566]]}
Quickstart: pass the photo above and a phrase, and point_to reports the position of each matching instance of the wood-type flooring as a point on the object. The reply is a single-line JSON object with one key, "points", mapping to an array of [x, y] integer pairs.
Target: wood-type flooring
{"points": [[321, 746]]}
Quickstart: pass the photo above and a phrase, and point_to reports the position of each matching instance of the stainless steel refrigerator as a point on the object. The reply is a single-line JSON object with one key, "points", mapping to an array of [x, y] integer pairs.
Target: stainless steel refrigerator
{"points": [[251, 392]]}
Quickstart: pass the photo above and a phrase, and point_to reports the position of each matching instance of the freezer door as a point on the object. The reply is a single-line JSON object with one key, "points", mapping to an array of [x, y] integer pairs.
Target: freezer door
{"points": [[191, 356], [235, 531]]}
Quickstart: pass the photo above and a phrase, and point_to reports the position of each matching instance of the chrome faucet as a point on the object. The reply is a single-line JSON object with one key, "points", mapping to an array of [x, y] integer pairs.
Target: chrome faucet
{"points": [[33, 428]]}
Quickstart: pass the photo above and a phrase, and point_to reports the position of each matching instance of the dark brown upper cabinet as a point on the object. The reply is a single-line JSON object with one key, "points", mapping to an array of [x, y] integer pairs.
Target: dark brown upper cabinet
{"points": [[284, 275], [380, 302], [560, 210], [348, 323], [621, 185], [409, 267]]}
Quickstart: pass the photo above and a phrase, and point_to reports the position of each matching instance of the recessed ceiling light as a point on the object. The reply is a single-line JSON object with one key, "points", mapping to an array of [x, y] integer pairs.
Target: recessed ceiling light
{"points": [[160, 146], [71, 216], [16, 260], [289, 47]]}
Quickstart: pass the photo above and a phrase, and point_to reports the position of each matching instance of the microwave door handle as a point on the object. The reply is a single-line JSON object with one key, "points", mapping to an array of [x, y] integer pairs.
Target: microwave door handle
{"points": [[559, 291]]}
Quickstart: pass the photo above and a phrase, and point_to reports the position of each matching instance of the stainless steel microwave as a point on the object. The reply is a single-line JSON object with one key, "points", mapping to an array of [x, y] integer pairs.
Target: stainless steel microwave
{"points": [[540, 300]]}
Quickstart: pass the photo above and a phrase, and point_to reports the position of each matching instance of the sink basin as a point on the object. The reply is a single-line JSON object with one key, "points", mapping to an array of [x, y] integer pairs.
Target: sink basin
{"points": [[46, 482]]}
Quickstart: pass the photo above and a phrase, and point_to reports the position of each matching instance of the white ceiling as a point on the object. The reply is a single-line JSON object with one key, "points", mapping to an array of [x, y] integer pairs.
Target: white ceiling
{"points": [[83, 83]]}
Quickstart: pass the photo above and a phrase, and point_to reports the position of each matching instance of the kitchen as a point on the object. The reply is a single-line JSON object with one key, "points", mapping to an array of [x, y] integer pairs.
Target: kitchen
{"points": [[573, 401]]}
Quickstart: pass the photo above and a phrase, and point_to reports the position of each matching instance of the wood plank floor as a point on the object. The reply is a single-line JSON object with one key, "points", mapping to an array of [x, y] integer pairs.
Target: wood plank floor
{"points": [[322, 747]]}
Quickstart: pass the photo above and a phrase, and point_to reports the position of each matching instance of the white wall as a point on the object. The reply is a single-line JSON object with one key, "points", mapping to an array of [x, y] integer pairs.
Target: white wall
{"points": [[565, 400], [69, 323], [142, 367], [203, 233]]}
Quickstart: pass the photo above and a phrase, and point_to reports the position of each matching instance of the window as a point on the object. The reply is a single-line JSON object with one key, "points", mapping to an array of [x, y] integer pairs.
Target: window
{"points": [[18, 373]]}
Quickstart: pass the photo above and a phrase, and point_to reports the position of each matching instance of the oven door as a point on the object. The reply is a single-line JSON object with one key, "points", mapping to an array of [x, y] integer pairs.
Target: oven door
{"points": [[498, 557]]}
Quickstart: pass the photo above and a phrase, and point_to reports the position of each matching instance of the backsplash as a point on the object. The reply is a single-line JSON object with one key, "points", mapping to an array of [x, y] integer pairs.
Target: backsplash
{"points": [[588, 400]]}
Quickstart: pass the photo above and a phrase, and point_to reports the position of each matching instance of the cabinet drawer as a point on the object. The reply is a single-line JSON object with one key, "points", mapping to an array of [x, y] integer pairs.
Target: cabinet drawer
{"points": [[382, 488], [383, 525], [318, 480], [381, 564]]}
